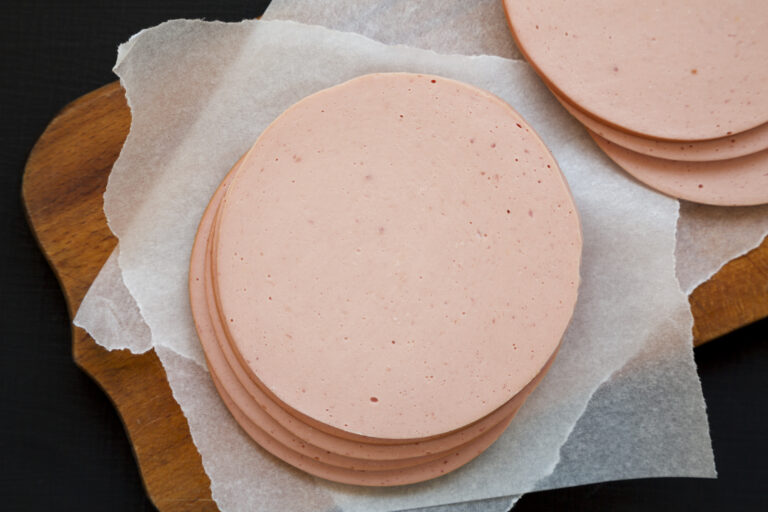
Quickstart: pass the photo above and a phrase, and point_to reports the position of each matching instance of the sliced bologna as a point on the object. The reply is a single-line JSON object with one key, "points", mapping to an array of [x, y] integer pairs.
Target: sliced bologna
{"points": [[390, 271], [733, 146], [740, 181], [683, 70]]}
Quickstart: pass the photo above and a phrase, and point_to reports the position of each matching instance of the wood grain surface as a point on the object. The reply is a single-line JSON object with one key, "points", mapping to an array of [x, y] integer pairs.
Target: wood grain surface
{"points": [[64, 181]]}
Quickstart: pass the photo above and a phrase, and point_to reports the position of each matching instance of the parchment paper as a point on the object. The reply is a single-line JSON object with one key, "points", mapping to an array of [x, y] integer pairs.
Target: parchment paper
{"points": [[710, 236], [188, 131], [110, 314]]}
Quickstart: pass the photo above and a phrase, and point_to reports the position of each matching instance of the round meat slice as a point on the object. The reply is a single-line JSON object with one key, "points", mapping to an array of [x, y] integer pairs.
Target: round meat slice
{"points": [[682, 70], [733, 146], [397, 257], [205, 322], [737, 182], [299, 451], [284, 427], [402, 476], [260, 409]]}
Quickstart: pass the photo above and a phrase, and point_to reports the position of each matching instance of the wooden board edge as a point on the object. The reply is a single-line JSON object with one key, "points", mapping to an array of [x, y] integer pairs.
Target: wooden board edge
{"points": [[745, 298], [135, 384]]}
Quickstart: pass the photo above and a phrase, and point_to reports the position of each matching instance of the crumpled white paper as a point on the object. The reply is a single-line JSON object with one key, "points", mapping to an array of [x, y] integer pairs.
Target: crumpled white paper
{"points": [[189, 129], [110, 314], [445, 26], [710, 236]]}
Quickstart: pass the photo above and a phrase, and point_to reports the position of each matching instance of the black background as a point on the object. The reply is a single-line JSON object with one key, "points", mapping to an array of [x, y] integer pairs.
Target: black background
{"points": [[62, 446]]}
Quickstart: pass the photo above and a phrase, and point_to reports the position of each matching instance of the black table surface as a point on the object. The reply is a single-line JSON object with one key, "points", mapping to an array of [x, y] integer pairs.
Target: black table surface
{"points": [[62, 445]]}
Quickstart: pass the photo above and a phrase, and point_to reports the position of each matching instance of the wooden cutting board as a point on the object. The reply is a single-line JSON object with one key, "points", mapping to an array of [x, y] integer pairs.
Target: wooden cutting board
{"points": [[64, 181]]}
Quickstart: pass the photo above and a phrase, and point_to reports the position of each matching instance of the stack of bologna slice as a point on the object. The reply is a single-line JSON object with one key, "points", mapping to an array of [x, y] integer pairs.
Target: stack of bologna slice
{"points": [[676, 93], [383, 279]]}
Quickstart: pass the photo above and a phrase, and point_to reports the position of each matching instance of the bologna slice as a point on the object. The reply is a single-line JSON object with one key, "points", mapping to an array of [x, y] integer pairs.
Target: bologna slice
{"points": [[295, 449], [397, 257], [733, 146], [258, 412], [740, 181], [380, 283], [683, 70]]}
